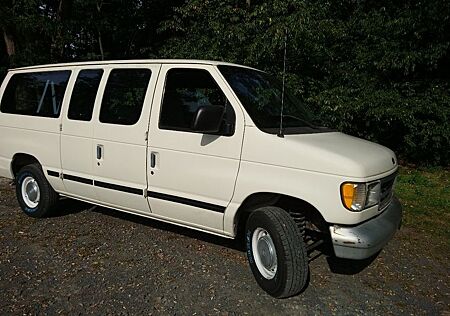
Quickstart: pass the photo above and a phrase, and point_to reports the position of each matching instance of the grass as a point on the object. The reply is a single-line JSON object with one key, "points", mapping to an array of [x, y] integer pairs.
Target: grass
{"points": [[425, 196]]}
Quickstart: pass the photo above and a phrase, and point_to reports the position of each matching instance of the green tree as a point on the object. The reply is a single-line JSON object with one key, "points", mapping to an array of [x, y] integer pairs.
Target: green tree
{"points": [[375, 69]]}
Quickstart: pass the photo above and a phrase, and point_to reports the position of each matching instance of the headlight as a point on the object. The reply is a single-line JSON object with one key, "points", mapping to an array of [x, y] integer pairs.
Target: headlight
{"points": [[373, 193], [359, 196]]}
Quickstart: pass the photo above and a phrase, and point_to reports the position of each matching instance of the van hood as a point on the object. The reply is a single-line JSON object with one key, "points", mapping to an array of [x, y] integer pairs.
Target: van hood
{"points": [[334, 153]]}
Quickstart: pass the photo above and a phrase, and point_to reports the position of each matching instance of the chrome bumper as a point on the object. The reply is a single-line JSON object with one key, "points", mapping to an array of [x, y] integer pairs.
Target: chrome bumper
{"points": [[366, 239]]}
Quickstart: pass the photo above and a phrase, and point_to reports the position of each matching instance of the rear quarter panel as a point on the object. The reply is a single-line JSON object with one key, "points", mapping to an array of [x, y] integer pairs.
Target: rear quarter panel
{"points": [[32, 135]]}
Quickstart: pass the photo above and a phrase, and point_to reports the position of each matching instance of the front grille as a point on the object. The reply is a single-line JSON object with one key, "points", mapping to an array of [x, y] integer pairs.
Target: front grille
{"points": [[387, 192]]}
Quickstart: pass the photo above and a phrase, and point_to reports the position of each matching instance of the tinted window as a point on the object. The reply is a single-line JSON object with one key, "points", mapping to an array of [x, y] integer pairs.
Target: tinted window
{"points": [[36, 94], [124, 96], [186, 90], [83, 94]]}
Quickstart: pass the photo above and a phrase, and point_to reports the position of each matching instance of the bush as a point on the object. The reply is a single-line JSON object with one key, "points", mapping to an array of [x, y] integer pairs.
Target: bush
{"points": [[374, 69], [416, 127]]}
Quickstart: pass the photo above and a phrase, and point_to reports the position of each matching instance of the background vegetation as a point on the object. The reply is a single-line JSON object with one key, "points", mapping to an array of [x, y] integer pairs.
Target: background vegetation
{"points": [[375, 69], [425, 197]]}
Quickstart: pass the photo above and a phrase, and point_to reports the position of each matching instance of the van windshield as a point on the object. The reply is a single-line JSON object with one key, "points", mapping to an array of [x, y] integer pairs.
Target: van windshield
{"points": [[261, 96]]}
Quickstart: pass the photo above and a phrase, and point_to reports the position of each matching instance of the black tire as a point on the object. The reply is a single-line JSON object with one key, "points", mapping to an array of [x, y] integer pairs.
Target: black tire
{"points": [[291, 273], [47, 196]]}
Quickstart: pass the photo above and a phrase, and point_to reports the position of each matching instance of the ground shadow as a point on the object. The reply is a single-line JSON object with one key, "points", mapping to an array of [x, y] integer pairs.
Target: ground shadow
{"points": [[337, 265], [68, 206], [348, 266], [236, 244]]}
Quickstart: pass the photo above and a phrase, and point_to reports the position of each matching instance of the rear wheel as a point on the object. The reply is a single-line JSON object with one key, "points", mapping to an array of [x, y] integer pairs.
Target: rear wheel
{"points": [[35, 195], [276, 252]]}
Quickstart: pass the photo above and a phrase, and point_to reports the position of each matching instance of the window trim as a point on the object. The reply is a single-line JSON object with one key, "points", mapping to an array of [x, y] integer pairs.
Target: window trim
{"points": [[188, 130]]}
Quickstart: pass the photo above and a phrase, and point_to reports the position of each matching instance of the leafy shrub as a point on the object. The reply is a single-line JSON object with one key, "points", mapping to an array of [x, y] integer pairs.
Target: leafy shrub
{"points": [[416, 127], [374, 69]]}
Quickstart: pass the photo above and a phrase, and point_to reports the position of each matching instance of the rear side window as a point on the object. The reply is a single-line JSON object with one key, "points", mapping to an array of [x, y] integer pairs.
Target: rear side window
{"points": [[124, 96], [186, 90], [35, 94], [84, 94]]}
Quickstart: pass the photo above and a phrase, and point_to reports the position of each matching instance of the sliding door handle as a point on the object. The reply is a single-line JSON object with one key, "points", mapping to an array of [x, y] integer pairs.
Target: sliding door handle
{"points": [[152, 160], [99, 152]]}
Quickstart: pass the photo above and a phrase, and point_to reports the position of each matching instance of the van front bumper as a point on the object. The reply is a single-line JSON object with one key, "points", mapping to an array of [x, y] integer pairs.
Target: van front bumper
{"points": [[366, 239]]}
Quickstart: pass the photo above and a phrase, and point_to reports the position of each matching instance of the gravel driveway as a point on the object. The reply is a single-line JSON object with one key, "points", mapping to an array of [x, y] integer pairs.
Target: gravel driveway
{"points": [[92, 260]]}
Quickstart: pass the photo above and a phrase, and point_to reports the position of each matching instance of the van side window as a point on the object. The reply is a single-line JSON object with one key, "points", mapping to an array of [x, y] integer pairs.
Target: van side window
{"points": [[186, 90], [83, 94], [124, 96], [35, 93]]}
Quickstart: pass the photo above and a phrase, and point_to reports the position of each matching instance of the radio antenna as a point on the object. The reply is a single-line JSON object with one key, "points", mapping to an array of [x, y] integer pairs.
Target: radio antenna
{"points": [[280, 132]]}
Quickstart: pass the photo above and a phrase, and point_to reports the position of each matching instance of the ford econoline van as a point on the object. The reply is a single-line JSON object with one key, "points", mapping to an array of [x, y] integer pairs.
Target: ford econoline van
{"points": [[213, 146]]}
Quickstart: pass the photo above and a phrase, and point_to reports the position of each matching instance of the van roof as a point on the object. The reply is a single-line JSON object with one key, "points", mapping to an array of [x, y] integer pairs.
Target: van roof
{"points": [[131, 61]]}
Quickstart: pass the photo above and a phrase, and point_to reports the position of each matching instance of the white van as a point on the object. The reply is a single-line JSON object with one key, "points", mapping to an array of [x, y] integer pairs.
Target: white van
{"points": [[200, 144]]}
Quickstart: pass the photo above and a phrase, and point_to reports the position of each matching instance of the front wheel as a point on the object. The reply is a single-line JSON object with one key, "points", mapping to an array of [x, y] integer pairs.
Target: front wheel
{"points": [[35, 195], [276, 252]]}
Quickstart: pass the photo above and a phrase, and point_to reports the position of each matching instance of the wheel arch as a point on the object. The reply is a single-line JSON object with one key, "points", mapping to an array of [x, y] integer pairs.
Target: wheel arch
{"points": [[20, 160], [293, 205]]}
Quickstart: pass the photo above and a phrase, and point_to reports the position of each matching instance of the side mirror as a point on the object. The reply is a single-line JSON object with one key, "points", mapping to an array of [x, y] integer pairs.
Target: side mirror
{"points": [[208, 119]]}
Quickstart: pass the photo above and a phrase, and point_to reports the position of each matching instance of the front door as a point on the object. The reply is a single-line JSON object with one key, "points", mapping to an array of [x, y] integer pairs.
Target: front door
{"points": [[192, 175]]}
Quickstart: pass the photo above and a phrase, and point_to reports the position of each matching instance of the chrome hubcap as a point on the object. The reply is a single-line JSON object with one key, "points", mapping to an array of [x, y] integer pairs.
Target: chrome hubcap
{"points": [[30, 192], [264, 253]]}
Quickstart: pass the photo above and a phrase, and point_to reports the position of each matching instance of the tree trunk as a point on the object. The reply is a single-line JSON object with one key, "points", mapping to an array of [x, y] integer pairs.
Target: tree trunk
{"points": [[63, 13], [100, 45], [9, 43], [64, 9], [99, 5]]}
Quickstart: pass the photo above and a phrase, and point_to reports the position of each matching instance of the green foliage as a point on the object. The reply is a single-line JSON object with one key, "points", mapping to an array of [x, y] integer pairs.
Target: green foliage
{"points": [[425, 196], [374, 69], [394, 89]]}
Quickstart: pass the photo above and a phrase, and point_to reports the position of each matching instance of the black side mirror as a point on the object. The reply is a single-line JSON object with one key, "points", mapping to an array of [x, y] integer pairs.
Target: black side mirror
{"points": [[208, 119]]}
